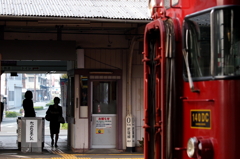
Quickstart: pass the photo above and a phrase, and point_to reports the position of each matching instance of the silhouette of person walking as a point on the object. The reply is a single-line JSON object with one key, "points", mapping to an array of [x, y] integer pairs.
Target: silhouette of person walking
{"points": [[55, 111], [28, 105]]}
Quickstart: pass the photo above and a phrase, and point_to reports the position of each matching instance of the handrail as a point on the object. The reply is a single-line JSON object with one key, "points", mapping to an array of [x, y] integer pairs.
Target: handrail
{"points": [[184, 99]]}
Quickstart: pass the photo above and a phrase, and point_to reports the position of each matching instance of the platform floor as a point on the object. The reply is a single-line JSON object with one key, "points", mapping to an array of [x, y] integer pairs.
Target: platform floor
{"points": [[9, 150]]}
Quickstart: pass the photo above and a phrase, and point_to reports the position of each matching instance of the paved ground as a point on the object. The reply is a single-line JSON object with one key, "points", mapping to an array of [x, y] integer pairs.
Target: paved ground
{"points": [[9, 148]]}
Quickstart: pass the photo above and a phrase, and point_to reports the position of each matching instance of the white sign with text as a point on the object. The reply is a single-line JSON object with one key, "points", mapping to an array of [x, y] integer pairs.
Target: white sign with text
{"points": [[31, 131]]}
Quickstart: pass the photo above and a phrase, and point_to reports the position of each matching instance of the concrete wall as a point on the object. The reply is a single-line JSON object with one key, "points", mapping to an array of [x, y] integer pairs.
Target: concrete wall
{"points": [[14, 85]]}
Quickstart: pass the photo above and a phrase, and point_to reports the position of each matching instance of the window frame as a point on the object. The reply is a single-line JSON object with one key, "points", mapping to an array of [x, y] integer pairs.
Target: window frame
{"points": [[185, 26], [213, 48]]}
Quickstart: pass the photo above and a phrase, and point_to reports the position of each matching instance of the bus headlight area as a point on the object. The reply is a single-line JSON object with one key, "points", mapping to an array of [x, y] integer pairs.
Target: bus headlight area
{"points": [[199, 147]]}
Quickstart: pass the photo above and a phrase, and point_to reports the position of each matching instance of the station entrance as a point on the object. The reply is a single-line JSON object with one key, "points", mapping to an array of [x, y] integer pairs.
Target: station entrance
{"points": [[13, 89], [91, 102]]}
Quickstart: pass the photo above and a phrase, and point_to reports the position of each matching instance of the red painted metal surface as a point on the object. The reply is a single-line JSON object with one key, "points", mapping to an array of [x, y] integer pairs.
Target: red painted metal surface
{"points": [[217, 103], [160, 87], [146, 114], [224, 131]]}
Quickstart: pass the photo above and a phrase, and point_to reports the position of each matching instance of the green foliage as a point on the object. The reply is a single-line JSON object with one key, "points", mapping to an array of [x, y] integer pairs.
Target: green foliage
{"points": [[64, 126], [38, 107], [12, 114], [64, 76], [21, 110], [50, 103], [35, 108], [141, 142]]}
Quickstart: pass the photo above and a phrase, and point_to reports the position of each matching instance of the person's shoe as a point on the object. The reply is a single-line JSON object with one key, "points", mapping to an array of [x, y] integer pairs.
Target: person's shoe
{"points": [[52, 143], [56, 145]]}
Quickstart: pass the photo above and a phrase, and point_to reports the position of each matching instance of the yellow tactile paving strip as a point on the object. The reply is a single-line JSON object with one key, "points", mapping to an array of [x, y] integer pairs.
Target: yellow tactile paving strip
{"points": [[73, 156], [67, 156]]}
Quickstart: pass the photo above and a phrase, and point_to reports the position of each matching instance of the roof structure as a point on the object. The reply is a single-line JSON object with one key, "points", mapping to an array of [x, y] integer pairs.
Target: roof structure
{"points": [[91, 9]]}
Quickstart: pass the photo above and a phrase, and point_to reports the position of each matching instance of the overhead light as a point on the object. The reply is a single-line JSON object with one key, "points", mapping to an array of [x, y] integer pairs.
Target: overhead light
{"points": [[14, 74], [49, 72]]}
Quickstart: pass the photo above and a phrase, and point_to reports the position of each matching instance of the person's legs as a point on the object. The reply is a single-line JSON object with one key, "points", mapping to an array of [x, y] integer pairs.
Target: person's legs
{"points": [[52, 135], [56, 140], [51, 132]]}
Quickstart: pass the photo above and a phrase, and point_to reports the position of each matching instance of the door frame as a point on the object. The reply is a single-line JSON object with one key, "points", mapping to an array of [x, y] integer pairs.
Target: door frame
{"points": [[91, 108], [104, 74]]}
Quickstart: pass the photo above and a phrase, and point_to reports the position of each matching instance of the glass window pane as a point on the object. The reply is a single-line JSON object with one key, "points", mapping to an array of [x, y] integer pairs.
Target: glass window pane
{"points": [[198, 44], [174, 2], [11, 95], [84, 90], [104, 97], [168, 2], [227, 41]]}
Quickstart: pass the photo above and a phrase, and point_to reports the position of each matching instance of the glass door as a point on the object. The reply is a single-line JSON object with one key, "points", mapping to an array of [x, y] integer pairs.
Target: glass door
{"points": [[104, 108]]}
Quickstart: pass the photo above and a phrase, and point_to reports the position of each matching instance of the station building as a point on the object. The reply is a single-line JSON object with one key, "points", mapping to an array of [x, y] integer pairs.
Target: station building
{"points": [[99, 45]]}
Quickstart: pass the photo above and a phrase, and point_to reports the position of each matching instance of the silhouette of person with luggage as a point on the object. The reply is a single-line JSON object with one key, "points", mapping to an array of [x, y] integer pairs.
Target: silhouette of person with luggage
{"points": [[55, 112]]}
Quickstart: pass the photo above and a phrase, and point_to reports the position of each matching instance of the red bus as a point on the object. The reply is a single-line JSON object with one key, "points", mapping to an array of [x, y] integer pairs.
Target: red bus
{"points": [[191, 63]]}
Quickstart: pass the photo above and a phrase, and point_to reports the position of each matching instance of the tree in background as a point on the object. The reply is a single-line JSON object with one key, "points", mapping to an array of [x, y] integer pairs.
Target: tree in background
{"points": [[64, 76]]}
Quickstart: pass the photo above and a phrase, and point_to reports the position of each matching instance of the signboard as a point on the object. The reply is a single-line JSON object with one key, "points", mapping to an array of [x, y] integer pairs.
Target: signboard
{"points": [[31, 131], [130, 132], [103, 122], [99, 131], [201, 118]]}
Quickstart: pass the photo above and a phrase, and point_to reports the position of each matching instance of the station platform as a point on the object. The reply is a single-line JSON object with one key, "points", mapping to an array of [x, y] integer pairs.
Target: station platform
{"points": [[9, 150]]}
